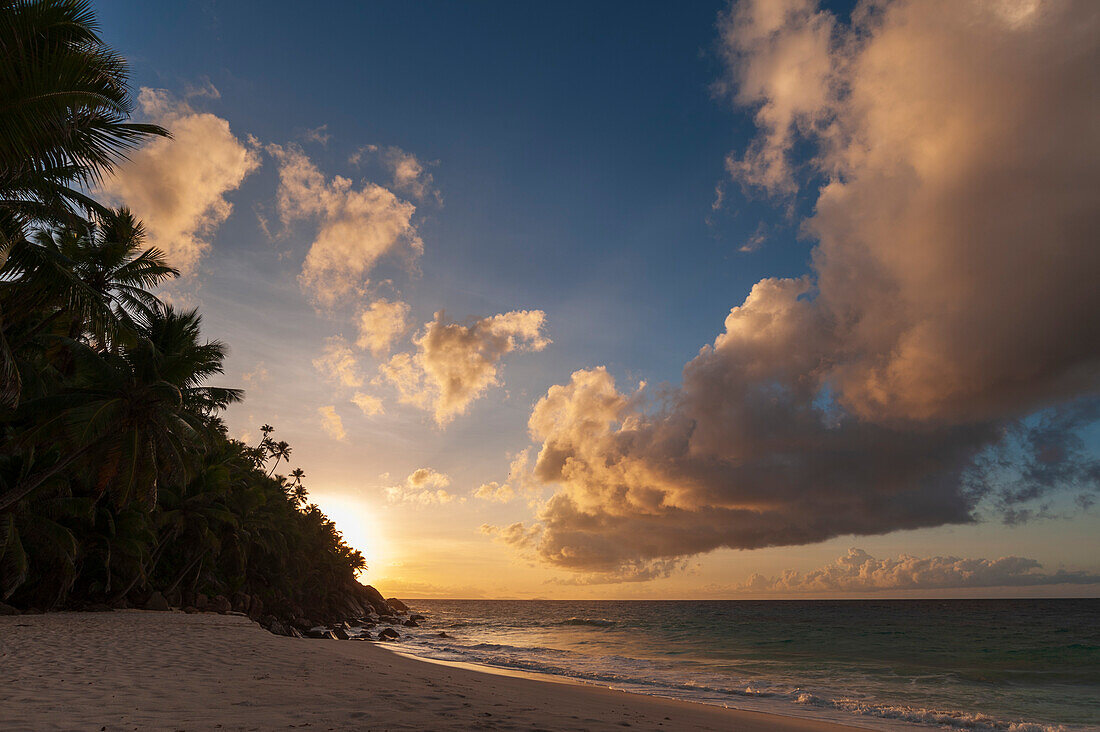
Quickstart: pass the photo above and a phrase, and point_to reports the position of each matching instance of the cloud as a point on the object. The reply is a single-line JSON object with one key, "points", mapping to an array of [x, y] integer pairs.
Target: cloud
{"points": [[331, 423], [858, 571], [454, 364], [370, 405], [381, 324], [408, 174], [519, 481], [424, 486], [320, 135], [355, 226], [951, 306], [338, 364], [256, 376], [179, 186]]}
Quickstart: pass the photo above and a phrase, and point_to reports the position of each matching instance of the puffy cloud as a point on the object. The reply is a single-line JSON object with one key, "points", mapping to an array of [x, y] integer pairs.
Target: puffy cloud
{"points": [[454, 364], [409, 175], [519, 481], [256, 376], [424, 486], [356, 226], [381, 324], [178, 186], [858, 571], [951, 303], [331, 422], [370, 405], [337, 363]]}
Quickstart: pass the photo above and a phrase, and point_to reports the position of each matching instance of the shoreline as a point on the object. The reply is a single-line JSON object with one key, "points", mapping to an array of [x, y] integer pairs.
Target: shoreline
{"points": [[170, 670]]}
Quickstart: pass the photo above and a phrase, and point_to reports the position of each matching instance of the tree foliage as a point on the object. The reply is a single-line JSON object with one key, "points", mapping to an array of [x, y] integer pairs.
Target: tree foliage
{"points": [[117, 477]]}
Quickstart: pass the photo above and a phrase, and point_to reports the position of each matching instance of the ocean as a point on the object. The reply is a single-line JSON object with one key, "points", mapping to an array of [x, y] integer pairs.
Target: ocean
{"points": [[1017, 665]]}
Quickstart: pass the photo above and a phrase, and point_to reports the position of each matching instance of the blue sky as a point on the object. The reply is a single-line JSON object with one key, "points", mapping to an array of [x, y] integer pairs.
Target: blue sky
{"points": [[577, 152]]}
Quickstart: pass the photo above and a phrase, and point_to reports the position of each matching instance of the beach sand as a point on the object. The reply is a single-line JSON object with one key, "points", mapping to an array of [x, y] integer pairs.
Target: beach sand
{"points": [[140, 670]]}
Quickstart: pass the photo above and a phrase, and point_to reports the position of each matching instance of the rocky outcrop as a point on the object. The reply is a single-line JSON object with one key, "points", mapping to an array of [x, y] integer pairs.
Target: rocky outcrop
{"points": [[8, 609], [220, 604], [156, 601], [397, 605], [388, 634], [410, 623]]}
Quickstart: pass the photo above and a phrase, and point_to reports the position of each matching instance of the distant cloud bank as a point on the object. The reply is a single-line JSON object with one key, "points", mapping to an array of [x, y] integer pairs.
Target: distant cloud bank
{"points": [[858, 571]]}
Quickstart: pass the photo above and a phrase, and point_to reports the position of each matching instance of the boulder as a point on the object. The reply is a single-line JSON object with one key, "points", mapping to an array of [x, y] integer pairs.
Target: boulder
{"points": [[220, 604], [317, 633], [6, 609], [202, 602], [98, 607], [410, 623], [365, 635], [441, 634], [174, 598], [156, 601], [241, 602], [190, 609], [374, 597], [255, 607], [340, 633], [388, 634], [120, 603], [416, 617], [397, 605]]}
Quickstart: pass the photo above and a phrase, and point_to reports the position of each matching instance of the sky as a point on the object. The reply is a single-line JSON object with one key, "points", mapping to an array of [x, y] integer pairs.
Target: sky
{"points": [[632, 300]]}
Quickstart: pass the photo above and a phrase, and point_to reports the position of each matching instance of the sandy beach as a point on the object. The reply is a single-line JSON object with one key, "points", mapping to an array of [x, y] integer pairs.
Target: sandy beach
{"points": [[135, 670]]}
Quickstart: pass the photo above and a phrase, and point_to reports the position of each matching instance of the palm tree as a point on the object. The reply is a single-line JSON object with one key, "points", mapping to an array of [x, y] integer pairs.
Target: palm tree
{"points": [[65, 110], [280, 451]]}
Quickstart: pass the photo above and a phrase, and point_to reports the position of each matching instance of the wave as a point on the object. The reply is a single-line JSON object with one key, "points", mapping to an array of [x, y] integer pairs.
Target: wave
{"points": [[594, 622], [651, 678]]}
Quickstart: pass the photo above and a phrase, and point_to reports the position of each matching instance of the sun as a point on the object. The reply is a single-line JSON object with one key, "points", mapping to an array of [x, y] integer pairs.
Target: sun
{"points": [[356, 521]]}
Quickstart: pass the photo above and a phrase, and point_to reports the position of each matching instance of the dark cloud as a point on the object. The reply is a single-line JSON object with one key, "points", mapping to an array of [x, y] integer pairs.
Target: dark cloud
{"points": [[951, 315]]}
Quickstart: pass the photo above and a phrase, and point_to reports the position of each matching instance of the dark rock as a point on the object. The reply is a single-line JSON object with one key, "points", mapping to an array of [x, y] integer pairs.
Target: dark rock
{"points": [[397, 605], [255, 607], [241, 602], [187, 599], [340, 633], [98, 607], [416, 617], [317, 633], [156, 601], [6, 609], [388, 634], [34, 611], [410, 623], [220, 604], [120, 604], [202, 602], [441, 634], [374, 597], [174, 598], [190, 609], [365, 635]]}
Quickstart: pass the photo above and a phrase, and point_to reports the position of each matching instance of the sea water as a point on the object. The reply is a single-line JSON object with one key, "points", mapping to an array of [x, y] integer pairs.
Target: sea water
{"points": [[1015, 665]]}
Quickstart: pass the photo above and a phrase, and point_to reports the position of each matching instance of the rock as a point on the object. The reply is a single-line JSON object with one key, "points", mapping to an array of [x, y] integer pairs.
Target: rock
{"points": [[441, 634], [241, 602], [156, 601], [410, 623], [6, 609], [98, 607], [416, 617], [120, 604], [202, 602], [388, 634], [340, 633], [365, 635], [397, 605], [34, 611], [255, 607], [278, 627], [190, 609], [220, 604], [316, 633], [374, 597], [187, 599], [174, 598]]}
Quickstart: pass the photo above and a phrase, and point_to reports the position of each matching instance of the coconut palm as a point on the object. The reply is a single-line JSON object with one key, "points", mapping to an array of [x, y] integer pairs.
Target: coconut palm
{"points": [[64, 118]]}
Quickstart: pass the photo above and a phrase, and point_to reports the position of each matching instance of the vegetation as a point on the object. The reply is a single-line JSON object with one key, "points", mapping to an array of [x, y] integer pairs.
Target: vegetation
{"points": [[117, 478]]}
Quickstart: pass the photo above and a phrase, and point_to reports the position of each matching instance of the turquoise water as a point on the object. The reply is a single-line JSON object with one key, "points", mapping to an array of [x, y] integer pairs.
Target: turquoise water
{"points": [[968, 664]]}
